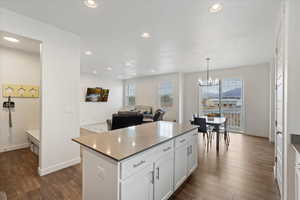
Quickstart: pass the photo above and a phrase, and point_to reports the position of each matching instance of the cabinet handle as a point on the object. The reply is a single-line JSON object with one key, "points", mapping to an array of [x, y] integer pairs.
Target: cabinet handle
{"points": [[152, 177], [191, 149], [195, 134], [166, 149], [183, 140], [138, 164], [157, 173]]}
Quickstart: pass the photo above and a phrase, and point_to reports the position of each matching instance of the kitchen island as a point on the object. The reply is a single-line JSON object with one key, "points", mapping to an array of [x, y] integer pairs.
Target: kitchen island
{"points": [[144, 162]]}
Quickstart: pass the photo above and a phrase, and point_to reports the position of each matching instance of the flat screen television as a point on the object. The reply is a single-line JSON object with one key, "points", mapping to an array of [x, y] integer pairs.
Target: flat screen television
{"points": [[96, 95]]}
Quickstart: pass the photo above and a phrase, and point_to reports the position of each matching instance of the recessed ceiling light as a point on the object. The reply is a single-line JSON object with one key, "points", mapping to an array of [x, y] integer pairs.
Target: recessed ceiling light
{"points": [[94, 71], [146, 35], [88, 53], [91, 3], [11, 39], [127, 64], [119, 76], [215, 8], [152, 70], [109, 68]]}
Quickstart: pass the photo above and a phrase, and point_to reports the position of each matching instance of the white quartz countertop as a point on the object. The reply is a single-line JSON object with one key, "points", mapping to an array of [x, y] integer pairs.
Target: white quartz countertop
{"points": [[123, 143]]}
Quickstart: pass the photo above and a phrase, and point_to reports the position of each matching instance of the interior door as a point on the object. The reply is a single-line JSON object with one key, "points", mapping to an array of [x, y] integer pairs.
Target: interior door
{"points": [[279, 108]]}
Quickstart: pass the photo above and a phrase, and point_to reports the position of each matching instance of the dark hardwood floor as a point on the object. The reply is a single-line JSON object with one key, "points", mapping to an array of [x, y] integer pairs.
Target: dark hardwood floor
{"points": [[243, 172]]}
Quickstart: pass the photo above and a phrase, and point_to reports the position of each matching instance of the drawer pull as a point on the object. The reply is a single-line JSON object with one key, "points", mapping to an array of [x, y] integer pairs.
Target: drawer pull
{"points": [[167, 149], [195, 134], [139, 164], [182, 141]]}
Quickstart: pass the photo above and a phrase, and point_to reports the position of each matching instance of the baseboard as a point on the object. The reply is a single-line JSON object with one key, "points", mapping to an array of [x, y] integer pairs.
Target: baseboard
{"points": [[59, 166], [13, 147]]}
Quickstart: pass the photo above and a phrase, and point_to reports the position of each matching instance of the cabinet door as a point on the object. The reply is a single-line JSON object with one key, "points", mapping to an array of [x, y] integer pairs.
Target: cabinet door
{"points": [[193, 153], [297, 184], [139, 186], [181, 162], [163, 184]]}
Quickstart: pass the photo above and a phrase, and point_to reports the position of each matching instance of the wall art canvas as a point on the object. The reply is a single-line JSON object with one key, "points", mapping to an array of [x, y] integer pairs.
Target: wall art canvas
{"points": [[97, 95]]}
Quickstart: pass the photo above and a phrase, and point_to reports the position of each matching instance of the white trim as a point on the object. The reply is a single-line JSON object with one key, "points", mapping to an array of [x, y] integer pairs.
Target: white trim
{"points": [[13, 147], [59, 166]]}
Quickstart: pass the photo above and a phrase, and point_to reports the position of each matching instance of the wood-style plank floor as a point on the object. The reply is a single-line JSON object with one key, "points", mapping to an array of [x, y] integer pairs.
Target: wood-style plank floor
{"points": [[243, 172]]}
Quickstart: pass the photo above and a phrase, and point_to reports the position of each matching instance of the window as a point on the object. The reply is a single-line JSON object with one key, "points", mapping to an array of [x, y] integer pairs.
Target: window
{"points": [[227, 100], [130, 94], [166, 94], [232, 103]]}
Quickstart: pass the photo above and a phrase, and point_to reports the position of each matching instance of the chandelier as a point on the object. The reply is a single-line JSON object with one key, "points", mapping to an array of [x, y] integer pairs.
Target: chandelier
{"points": [[209, 81]]}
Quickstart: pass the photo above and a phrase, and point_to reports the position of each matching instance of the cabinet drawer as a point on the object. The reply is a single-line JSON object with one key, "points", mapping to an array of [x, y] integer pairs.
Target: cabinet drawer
{"points": [[182, 140], [136, 163], [164, 148]]}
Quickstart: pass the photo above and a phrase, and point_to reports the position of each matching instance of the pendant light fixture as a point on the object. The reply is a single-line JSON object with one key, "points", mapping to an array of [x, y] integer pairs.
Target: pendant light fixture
{"points": [[209, 81]]}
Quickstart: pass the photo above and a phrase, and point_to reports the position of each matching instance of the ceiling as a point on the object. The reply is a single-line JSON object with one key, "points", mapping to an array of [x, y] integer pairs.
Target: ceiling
{"points": [[183, 33], [24, 44]]}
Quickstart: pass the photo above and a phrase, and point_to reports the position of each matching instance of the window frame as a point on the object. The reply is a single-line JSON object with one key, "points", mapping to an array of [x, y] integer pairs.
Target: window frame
{"points": [[130, 92], [170, 93]]}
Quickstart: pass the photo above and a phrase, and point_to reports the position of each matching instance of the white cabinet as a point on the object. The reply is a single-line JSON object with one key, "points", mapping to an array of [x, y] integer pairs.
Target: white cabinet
{"points": [[150, 175], [192, 153], [139, 185], [163, 184], [181, 165], [186, 157], [297, 184]]}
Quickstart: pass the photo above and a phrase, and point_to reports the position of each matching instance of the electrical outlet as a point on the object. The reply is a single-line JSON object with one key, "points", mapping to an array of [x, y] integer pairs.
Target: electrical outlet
{"points": [[100, 172]]}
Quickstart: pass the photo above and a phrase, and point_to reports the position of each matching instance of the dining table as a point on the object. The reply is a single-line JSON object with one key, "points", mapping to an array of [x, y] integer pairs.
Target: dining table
{"points": [[216, 122]]}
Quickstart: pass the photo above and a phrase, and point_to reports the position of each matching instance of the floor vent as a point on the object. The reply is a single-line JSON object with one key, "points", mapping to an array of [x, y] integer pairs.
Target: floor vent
{"points": [[3, 196]]}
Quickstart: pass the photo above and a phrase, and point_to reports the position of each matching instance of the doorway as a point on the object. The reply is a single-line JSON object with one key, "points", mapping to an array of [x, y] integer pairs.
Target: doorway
{"points": [[20, 82]]}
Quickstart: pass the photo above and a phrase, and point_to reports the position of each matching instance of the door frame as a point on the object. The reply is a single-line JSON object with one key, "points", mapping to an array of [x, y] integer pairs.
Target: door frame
{"points": [[281, 36]]}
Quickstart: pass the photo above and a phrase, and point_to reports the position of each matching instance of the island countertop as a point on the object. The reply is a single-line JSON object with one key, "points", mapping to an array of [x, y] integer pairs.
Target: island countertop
{"points": [[123, 143]]}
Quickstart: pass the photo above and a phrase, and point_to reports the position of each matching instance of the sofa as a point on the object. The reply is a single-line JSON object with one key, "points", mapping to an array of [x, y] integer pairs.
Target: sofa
{"points": [[125, 119], [143, 109]]}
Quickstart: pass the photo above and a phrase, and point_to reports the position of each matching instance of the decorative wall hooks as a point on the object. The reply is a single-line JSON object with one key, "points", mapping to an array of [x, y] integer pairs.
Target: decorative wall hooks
{"points": [[20, 91]]}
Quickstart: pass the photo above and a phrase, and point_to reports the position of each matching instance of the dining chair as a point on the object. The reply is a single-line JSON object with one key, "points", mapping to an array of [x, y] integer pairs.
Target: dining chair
{"points": [[224, 130], [203, 127]]}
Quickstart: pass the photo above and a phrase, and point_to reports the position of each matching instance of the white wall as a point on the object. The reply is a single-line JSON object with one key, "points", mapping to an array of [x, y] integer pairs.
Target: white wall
{"points": [[147, 92], [60, 88], [95, 112], [19, 67], [293, 106], [256, 95]]}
